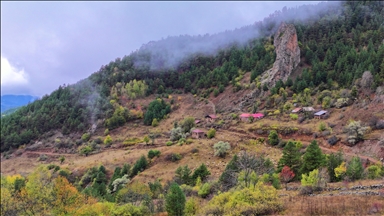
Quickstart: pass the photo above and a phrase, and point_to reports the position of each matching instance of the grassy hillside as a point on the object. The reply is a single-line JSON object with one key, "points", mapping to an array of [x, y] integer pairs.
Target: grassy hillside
{"points": [[118, 140]]}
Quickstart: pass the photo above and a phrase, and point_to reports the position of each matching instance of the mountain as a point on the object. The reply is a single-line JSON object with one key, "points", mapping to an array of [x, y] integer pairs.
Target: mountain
{"points": [[336, 43], [219, 115], [14, 101]]}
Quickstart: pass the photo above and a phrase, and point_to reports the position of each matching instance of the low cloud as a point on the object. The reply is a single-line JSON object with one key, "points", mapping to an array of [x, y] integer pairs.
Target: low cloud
{"points": [[10, 75]]}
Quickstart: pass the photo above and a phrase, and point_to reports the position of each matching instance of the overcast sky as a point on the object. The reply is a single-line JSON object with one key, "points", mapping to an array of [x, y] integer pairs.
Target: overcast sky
{"points": [[47, 44]]}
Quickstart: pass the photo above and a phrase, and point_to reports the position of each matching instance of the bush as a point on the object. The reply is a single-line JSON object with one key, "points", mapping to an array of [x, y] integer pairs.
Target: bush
{"points": [[221, 148], [85, 137], [169, 143], [42, 157], [322, 126], [177, 134], [155, 122], [108, 140], [173, 157], [355, 132], [85, 150], [191, 207], [153, 153], [205, 190], [106, 132], [187, 124], [211, 133], [261, 200], [273, 138], [374, 172], [294, 116], [332, 140]]}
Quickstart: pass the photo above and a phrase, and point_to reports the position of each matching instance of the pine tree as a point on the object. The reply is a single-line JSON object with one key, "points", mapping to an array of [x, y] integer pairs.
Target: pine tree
{"points": [[313, 158], [202, 172], [355, 169], [273, 137], [227, 178], [175, 201], [290, 158]]}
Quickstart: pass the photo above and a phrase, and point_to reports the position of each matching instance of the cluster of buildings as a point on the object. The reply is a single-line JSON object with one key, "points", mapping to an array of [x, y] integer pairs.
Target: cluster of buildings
{"points": [[318, 115]]}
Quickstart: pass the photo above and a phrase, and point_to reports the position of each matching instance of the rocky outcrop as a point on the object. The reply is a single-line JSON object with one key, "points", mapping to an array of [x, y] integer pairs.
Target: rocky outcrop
{"points": [[287, 58], [287, 55]]}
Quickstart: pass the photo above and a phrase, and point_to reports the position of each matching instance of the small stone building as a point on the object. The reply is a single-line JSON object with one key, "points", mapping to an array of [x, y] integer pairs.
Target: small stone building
{"points": [[321, 114], [198, 134]]}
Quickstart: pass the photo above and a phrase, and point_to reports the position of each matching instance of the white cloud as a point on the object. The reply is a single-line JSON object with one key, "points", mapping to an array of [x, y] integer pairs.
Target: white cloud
{"points": [[10, 75]]}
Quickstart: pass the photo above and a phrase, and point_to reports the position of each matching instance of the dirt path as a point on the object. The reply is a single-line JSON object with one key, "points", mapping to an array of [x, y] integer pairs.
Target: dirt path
{"points": [[47, 153]]}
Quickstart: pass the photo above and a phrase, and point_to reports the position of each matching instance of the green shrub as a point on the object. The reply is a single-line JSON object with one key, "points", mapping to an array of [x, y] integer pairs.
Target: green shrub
{"points": [[155, 122], [153, 153], [322, 126], [374, 172], [85, 150], [85, 137], [189, 141], [64, 173], [191, 207], [261, 200], [173, 157], [294, 116], [169, 143], [273, 137], [221, 148], [108, 140], [205, 190], [211, 133]]}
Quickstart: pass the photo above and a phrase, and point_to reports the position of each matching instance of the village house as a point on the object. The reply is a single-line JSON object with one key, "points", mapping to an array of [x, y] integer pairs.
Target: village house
{"points": [[308, 109], [197, 121], [297, 110], [247, 116], [321, 114], [210, 118], [197, 134]]}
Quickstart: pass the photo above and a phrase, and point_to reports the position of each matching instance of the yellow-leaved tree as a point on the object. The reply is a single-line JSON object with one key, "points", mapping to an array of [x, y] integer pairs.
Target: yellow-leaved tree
{"points": [[258, 200]]}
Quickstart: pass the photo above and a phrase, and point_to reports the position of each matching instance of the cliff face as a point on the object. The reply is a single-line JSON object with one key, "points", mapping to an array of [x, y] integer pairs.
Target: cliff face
{"points": [[287, 55], [287, 58]]}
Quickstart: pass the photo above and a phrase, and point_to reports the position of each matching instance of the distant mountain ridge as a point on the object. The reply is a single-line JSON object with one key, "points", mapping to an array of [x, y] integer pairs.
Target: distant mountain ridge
{"points": [[13, 101]]}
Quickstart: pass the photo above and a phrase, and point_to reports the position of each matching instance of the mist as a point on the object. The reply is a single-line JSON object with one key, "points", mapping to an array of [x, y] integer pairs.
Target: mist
{"points": [[170, 52]]}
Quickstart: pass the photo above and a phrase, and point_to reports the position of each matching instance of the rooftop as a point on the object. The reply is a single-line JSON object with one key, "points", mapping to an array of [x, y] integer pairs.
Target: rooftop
{"points": [[321, 112]]}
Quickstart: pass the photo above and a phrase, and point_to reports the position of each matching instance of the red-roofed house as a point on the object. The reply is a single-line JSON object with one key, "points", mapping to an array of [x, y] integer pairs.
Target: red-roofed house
{"points": [[197, 134], [297, 110], [210, 118], [246, 116]]}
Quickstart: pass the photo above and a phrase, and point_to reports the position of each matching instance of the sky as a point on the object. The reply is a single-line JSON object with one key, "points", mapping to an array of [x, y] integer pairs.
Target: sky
{"points": [[47, 44]]}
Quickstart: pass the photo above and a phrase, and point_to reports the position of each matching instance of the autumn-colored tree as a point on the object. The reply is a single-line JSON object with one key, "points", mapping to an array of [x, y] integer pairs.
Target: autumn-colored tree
{"points": [[67, 198], [286, 175]]}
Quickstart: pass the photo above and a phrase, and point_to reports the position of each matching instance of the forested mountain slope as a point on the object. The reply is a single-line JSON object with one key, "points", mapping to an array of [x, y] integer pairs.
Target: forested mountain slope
{"points": [[337, 43]]}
